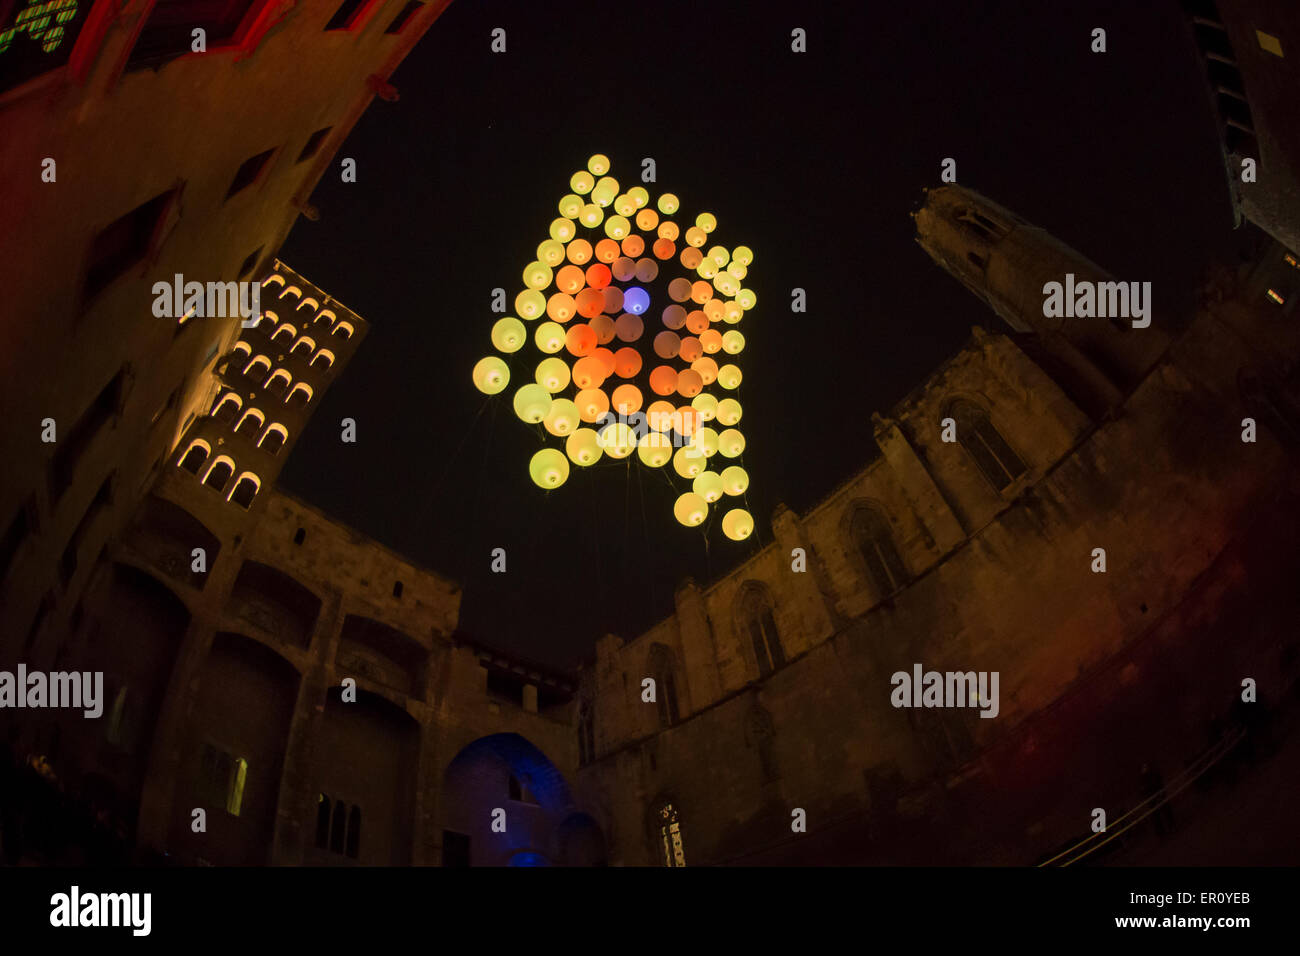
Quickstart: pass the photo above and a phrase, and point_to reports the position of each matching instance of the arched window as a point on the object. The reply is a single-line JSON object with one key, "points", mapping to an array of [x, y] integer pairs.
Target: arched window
{"points": [[219, 473], [757, 622], [999, 464], [300, 395], [322, 822], [242, 348], [586, 733], [304, 344], [291, 291], [354, 831], [273, 438], [245, 489], [308, 303], [195, 456], [665, 677], [874, 544], [325, 315], [324, 357], [285, 332], [278, 382], [251, 423], [339, 827], [667, 824], [227, 407], [272, 280], [344, 329], [258, 367]]}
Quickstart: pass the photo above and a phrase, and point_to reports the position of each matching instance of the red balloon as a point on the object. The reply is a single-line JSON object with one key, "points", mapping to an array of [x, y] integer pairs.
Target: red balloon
{"points": [[598, 275], [606, 359], [590, 303], [627, 362], [663, 380], [580, 339]]}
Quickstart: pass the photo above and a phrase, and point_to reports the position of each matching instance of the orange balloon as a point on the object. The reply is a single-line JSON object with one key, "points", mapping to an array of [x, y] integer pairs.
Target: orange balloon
{"points": [[646, 270], [580, 339], [606, 358], [613, 296], [663, 380], [623, 268], [561, 307], [686, 420], [667, 344], [591, 402], [633, 246], [691, 257], [569, 279], [696, 321], [598, 276], [603, 326], [695, 236], [690, 349], [647, 219], [588, 373], [660, 416], [711, 339], [701, 291], [664, 248], [674, 316], [679, 290], [627, 362], [607, 250], [627, 399], [689, 383], [714, 309], [707, 368], [579, 251], [668, 230], [590, 303], [628, 328]]}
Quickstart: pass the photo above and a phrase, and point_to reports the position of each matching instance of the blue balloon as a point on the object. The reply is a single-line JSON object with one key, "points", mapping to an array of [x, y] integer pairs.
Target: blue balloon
{"points": [[636, 299]]}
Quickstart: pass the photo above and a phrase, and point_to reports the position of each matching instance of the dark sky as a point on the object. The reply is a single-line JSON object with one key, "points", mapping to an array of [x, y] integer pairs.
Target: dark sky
{"points": [[813, 160]]}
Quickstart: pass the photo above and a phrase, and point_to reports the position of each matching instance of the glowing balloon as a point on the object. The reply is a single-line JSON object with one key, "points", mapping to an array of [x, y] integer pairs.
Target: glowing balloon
{"points": [[706, 439], [663, 248], [697, 321], [530, 304], [743, 254], [570, 205], [655, 449], [732, 313], [553, 374], [549, 468], [563, 417], [695, 236], [706, 222], [733, 343], [691, 257], [729, 411], [562, 230], [706, 405], [711, 339], [626, 399], [561, 307], [627, 362], [726, 283], [719, 255], [590, 303], [592, 403], [666, 344], [707, 269], [579, 252], [691, 509], [570, 279], [636, 300], [663, 380], [715, 309], [623, 268], [674, 317], [686, 420], [549, 337], [746, 299], [707, 368], [551, 252], [633, 246], [605, 190], [625, 205], [582, 182], [736, 270], [708, 485], [668, 204], [690, 349], [659, 416], [613, 296], [508, 334], [607, 250], [583, 447], [588, 373], [701, 292], [689, 383], [532, 402], [731, 443], [679, 290], [618, 440], [628, 327], [688, 462], [647, 270], [606, 359], [617, 227], [667, 230], [734, 480], [580, 339], [598, 275], [647, 220], [729, 376], [639, 195], [598, 164], [591, 216], [737, 524], [491, 375], [603, 326]]}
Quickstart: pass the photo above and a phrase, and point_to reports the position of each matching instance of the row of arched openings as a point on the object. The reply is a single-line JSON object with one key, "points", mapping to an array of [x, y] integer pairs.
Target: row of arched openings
{"points": [[218, 472], [316, 315]]}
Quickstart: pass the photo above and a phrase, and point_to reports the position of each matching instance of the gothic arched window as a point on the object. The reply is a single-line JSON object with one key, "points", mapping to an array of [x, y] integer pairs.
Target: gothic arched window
{"points": [[1000, 465], [756, 621], [667, 825], [874, 543]]}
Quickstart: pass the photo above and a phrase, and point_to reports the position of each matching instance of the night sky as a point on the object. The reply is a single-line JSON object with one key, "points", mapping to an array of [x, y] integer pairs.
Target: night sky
{"points": [[814, 160]]}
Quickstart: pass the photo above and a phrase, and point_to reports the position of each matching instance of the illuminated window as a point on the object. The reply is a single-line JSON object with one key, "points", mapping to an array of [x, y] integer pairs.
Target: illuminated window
{"points": [[347, 15], [195, 456], [313, 144], [278, 382], [273, 438], [325, 315], [402, 19], [36, 37], [219, 473], [304, 344], [228, 407], [300, 395], [245, 490], [286, 332], [874, 544], [258, 367], [291, 290], [251, 423], [167, 34], [243, 348], [663, 671], [1276, 296], [999, 464], [324, 357], [221, 779], [1291, 260], [758, 623], [272, 280], [344, 329], [667, 823], [309, 303]]}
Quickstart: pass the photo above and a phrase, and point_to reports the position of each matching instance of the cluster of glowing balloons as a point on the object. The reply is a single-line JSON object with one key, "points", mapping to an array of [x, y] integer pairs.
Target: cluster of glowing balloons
{"points": [[632, 360]]}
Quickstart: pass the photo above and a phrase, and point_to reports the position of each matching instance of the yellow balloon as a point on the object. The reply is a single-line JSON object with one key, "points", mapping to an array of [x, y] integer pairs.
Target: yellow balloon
{"points": [[617, 227], [719, 255], [605, 191], [668, 204], [551, 251], [726, 283], [655, 449], [688, 462], [695, 237], [706, 221], [639, 195], [553, 374], [691, 509], [737, 524], [530, 304], [562, 419], [743, 254], [591, 215], [598, 164], [735, 480], [570, 205], [537, 275], [707, 269], [549, 337], [733, 343], [731, 443], [708, 485], [707, 441], [562, 230], [746, 299], [729, 411], [618, 440], [491, 375], [508, 334], [625, 205], [729, 376], [532, 402], [583, 447], [706, 405], [548, 468], [582, 182], [737, 271], [732, 313]]}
